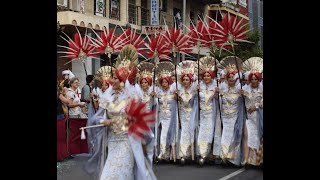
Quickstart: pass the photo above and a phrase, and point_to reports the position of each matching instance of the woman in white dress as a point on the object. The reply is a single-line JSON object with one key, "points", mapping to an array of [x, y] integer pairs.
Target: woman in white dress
{"points": [[208, 90], [253, 93], [232, 111], [74, 103], [124, 158], [166, 113], [187, 93]]}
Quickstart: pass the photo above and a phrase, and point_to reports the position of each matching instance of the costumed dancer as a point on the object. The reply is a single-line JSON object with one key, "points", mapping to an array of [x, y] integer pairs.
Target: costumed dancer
{"points": [[187, 94], [232, 111], [104, 75], [144, 92], [208, 111], [167, 116], [125, 123], [253, 93]]}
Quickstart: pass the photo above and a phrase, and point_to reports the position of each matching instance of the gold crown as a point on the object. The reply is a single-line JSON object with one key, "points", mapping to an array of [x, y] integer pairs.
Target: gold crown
{"points": [[104, 73], [228, 64], [127, 58], [206, 64], [253, 65], [164, 69], [185, 67], [145, 69]]}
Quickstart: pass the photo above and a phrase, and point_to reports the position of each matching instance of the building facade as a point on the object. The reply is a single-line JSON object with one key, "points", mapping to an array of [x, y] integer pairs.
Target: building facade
{"points": [[96, 14]]}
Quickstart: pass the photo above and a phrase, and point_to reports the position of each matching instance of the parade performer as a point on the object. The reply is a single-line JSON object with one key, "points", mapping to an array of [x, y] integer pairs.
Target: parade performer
{"points": [[208, 108], [253, 93], [232, 111], [126, 123], [187, 94], [166, 112], [145, 93]]}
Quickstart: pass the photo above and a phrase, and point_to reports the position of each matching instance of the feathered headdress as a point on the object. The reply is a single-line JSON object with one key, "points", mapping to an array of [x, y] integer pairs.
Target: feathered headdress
{"points": [[253, 65], [207, 64], [164, 70], [104, 74], [126, 63], [186, 68], [145, 70], [228, 64]]}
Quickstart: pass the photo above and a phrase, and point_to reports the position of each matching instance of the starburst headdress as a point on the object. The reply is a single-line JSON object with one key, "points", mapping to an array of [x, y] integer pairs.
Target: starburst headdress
{"points": [[104, 74], [253, 66], [126, 64], [186, 68], [228, 65], [207, 64], [145, 71], [164, 70]]}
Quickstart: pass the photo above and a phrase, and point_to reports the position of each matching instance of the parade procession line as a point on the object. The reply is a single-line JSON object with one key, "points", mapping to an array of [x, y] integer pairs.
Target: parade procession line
{"points": [[232, 174]]}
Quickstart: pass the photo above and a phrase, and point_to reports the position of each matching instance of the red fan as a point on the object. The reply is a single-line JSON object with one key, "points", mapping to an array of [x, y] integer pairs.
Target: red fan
{"points": [[229, 31], [108, 43], [157, 47], [199, 35], [140, 120], [177, 41], [131, 38], [80, 48]]}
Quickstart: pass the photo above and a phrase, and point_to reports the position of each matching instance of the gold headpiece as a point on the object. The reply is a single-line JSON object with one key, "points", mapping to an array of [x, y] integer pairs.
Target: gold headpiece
{"points": [[206, 64], [127, 58], [228, 64], [104, 73], [145, 69], [185, 67], [253, 65], [164, 69]]}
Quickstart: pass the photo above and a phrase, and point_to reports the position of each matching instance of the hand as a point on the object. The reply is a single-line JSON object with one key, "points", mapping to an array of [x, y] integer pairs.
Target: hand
{"points": [[107, 122], [82, 104], [252, 109], [91, 95], [198, 87], [241, 92], [64, 91], [153, 94]]}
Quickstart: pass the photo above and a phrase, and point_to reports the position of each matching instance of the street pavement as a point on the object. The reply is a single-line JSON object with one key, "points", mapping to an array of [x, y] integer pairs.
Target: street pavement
{"points": [[71, 169]]}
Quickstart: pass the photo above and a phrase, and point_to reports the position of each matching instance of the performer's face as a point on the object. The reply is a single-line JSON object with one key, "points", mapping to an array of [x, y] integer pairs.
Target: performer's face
{"points": [[254, 81], [144, 84], [104, 86], [231, 81], [186, 81], [115, 82], [207, 78], [173, 78], [165, 84]]}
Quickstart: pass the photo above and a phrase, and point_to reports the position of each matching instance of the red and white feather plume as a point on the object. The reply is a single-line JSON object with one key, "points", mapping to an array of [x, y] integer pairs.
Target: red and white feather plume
{"points": [[157, 47], [79, 48], [140, 120], [131, 37], [229, 31], [198, 35], [108, 43], [177, 41]]}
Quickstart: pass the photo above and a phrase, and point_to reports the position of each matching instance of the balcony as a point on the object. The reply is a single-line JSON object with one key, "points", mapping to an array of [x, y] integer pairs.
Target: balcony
{"points": [[228, 8], [83, 20]]}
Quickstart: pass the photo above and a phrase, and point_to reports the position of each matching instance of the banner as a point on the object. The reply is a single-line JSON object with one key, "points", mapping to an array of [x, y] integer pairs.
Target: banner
{"points": [[154, 13]]}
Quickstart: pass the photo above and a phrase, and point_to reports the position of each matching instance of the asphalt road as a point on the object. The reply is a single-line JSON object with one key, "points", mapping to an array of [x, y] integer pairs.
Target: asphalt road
{"points": [[71, 169]]}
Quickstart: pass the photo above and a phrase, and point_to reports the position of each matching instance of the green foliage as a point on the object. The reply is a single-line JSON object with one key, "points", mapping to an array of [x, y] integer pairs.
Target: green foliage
{"points": [[243, 50]]}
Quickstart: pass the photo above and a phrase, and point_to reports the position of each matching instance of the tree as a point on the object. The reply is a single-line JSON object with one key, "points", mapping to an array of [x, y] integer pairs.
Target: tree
{"points": [[243, 50]]}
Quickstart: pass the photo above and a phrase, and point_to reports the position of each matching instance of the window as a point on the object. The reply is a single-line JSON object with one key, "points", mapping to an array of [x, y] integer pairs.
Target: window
{"points": [[74, 5], [145, 15], [163, 5], [132, 12], [99, 6], [62, 2], [114, 9]]}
